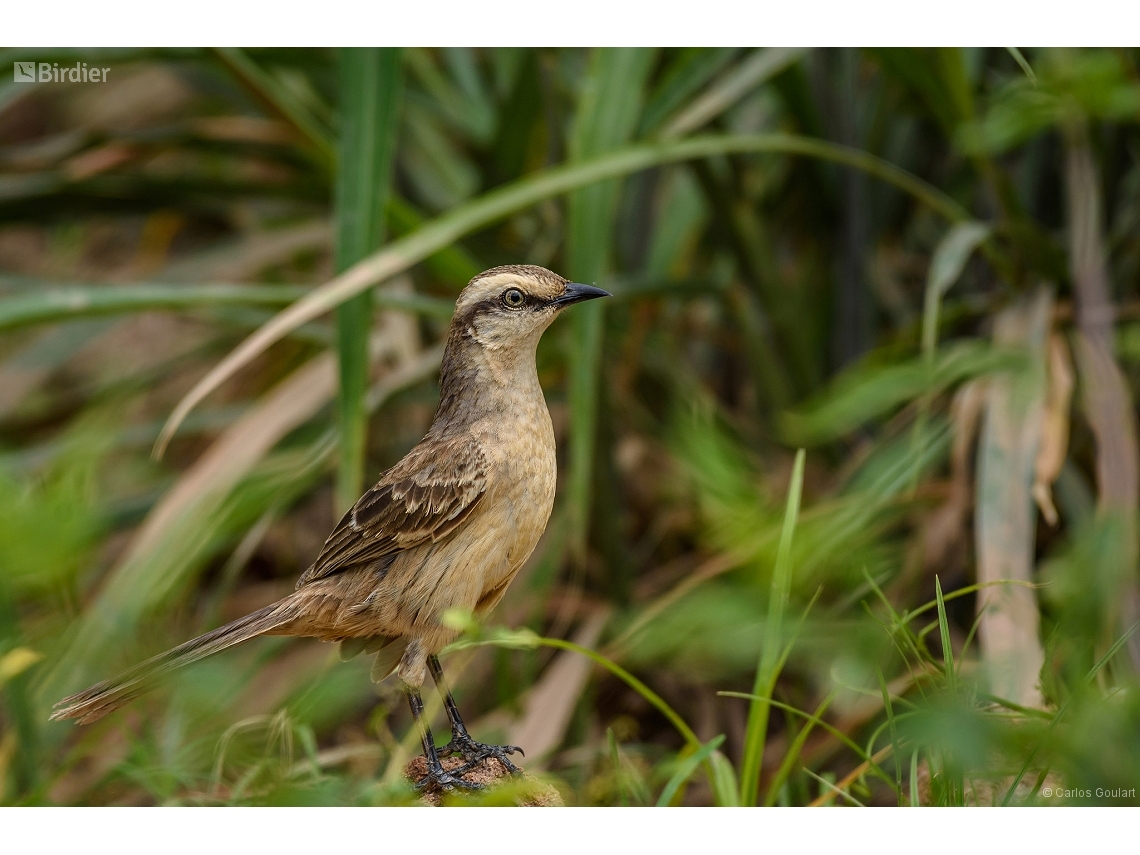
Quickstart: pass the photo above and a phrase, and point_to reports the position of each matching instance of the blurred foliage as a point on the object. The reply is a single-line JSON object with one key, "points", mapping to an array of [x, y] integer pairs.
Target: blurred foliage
{"points": [[807, 248]]}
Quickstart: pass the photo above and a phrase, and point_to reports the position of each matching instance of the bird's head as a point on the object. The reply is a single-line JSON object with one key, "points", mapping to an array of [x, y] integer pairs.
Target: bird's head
{"points": [[509, 307]]}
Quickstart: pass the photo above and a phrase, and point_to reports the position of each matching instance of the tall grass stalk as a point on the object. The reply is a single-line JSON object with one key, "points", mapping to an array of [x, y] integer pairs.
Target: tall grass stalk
{"points": [[607, 114], [370, 83], [768, 669]]}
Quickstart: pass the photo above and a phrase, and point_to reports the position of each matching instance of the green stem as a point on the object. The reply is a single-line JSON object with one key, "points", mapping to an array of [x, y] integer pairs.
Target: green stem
{"points": [[54, 302], [771, 659], [604, 121], [370, 83], [631, 681]]}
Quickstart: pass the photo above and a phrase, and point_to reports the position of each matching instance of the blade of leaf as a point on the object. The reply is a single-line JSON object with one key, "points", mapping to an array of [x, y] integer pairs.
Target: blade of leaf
{"points": [[56, 302], [793, 752], [279, 100], [607, 115], [53, 302], [914, 799], [761, 65], [689, 71], [370, 80], [944, 631], [726, 790], [870, 761], [686, 768], [950, 258], [890, 711], [830, 786], [1020, 59], [767, 670]]}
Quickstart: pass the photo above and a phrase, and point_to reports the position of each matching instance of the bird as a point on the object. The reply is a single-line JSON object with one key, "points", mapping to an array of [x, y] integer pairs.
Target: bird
{"points": [[446, 528]]}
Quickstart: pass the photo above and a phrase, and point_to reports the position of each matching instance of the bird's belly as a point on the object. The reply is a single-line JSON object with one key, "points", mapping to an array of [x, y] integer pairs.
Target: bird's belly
{"points": [[523, 506], [480, 558]]}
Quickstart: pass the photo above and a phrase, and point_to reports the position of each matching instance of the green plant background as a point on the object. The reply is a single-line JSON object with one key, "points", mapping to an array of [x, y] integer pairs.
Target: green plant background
{"points": [[847, 506]]}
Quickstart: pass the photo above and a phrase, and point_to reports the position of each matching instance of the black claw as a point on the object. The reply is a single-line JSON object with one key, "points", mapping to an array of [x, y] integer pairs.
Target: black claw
{"points": [[446, 780], [476, 752]]}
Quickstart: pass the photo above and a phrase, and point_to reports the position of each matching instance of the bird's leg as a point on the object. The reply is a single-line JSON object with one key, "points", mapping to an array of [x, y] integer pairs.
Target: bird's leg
{"points": [[436, 774], [461, 742]]}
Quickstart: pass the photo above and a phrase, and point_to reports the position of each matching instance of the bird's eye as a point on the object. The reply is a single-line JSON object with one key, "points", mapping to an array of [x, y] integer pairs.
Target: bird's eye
{"points": [[513, 298]]}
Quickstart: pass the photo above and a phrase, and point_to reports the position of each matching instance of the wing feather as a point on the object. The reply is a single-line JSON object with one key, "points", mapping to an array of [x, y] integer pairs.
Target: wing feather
{"points": [[422, 498]]}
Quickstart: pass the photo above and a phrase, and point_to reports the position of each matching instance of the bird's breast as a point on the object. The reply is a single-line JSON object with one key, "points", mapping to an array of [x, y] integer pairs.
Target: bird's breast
{"points": [[523, 494]]}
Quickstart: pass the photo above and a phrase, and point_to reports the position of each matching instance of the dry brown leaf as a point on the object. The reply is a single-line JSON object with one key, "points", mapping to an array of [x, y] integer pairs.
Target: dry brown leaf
{"points": [[245, 257], [98, 160], [1054, 427], [1009, 620], [246, 129], [1107, 397], [944, 527]]}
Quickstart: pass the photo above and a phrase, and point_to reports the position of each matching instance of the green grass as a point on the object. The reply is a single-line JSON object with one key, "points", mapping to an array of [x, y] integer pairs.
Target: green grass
{"points": [[370, 81]]}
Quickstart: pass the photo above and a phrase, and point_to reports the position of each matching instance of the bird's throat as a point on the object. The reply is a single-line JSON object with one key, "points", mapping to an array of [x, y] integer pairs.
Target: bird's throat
{"points": [[477, 380]]}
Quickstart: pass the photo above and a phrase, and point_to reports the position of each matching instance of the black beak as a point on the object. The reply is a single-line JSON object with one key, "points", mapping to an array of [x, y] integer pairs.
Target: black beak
{"points": [[576, 292]]}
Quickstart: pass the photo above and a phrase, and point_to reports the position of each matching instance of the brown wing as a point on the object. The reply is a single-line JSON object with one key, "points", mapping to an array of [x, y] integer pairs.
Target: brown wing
{"points": [[422, 498]]}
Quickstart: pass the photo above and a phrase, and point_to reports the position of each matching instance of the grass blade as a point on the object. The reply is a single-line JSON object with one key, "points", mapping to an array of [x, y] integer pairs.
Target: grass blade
{"points": [[371, 83], [950, 257], [761, 65], [651, 696], [1020, 59], [888, 707], [279, 101], [944, 630], [54, 302], [915, 801], [949, 260], [687, 767], [607, 115], [768, 669], [726, 790], [868, 760], [719, 769], [523, 639], [690, 70], [835, 789], [794, 751]]}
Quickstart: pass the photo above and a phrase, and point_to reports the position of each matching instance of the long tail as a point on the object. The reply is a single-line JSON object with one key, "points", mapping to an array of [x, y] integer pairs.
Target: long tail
{"points": [[94, 703]]}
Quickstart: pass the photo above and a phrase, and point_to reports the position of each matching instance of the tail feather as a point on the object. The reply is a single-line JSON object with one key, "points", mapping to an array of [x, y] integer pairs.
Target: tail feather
{"points": [[387, 659], [94, 703], [350, 648]]}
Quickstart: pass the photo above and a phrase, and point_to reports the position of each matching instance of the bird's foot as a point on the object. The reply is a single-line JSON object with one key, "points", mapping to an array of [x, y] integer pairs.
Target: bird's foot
{"points": [[476, 752], [444, 779]]}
